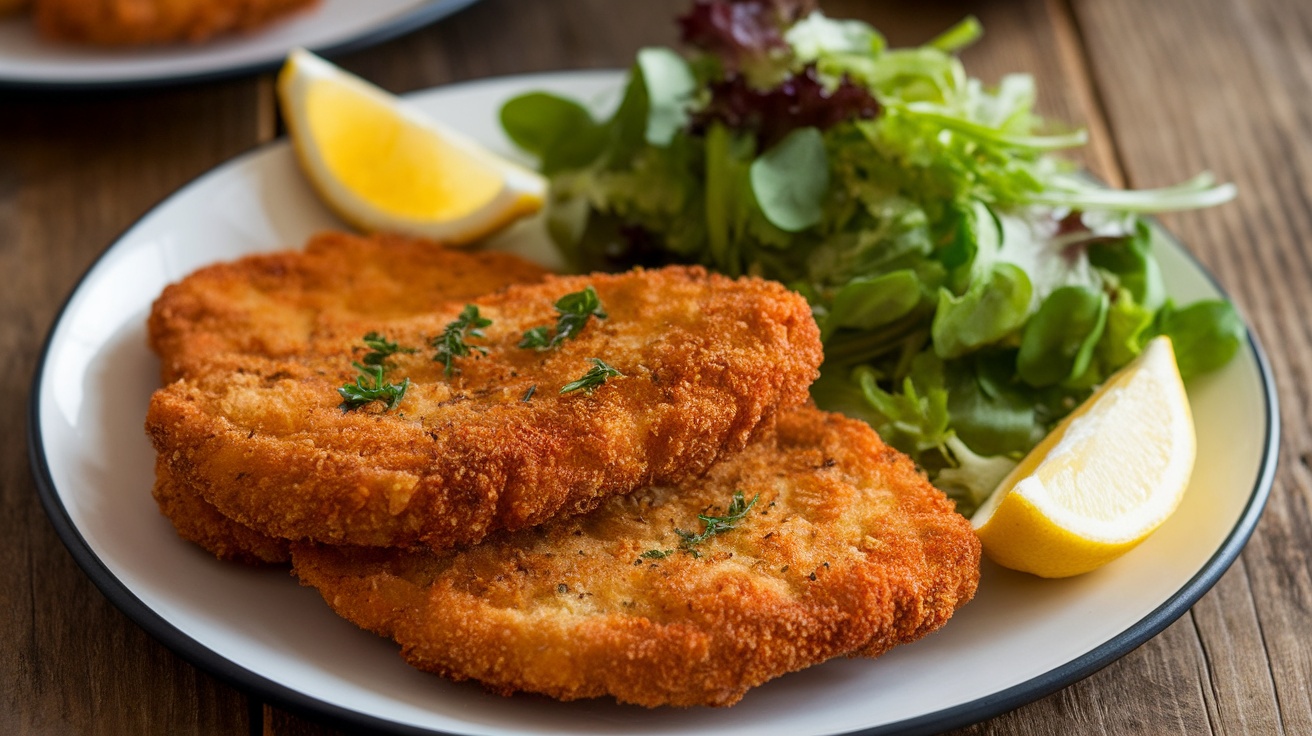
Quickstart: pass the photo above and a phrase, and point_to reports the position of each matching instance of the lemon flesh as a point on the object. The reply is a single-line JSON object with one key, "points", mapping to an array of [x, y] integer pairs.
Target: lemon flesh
{"points": [[383, 166], [391, 163], [1103, 480]]}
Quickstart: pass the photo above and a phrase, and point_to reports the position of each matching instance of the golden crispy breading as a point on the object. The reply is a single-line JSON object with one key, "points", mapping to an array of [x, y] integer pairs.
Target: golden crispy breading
{"points": [[134, 22], [196, 520], [272, 304], [847, 551], [706, 359]]}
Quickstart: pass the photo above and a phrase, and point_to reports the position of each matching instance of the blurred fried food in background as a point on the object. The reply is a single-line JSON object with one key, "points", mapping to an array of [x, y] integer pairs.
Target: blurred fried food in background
{"points": [[138, 22]]}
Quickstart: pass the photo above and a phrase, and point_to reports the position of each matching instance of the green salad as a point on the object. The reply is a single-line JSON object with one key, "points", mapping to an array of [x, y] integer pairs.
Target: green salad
{"points": [[971, 287]]}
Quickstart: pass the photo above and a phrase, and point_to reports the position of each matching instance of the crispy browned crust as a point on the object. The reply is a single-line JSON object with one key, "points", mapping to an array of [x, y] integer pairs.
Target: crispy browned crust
{"points": [[848, 551], [135, 22], [706, 359], [196, 520], [272, 305]]}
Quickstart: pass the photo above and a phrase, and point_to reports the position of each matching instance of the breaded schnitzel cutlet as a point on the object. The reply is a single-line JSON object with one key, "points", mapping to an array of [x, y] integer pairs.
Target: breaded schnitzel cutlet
{"points": [[273, 304], [197, 521], [847, 550], [134, 22], [495, 442]]}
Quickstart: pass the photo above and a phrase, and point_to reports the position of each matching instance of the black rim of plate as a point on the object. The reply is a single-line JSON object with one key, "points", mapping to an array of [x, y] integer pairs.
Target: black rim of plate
{"points": [[403, 23], [956, 716]]}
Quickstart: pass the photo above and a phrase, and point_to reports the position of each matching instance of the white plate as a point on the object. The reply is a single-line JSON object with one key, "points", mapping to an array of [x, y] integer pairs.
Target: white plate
{"points": [[1019, 639], [332, 27]]}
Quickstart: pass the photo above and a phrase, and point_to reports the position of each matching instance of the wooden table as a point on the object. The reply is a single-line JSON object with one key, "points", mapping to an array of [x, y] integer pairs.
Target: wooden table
{"points": [[1166, 89]]}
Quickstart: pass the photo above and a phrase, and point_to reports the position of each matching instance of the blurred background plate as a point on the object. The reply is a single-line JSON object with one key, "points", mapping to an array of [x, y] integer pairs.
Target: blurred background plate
{"points": [[332, 27]]}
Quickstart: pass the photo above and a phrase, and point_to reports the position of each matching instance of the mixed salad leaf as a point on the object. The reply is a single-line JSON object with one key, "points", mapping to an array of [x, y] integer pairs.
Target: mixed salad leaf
{"points": [[971, 287]]}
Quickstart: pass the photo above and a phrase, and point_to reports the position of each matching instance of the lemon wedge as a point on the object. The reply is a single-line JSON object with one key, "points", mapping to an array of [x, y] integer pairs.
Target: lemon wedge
{"points": [[383, 166], [1103, 480]]}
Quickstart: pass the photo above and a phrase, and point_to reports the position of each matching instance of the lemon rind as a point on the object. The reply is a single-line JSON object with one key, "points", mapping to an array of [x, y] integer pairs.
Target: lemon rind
{"points": [[1025, 528], [522, 191]]}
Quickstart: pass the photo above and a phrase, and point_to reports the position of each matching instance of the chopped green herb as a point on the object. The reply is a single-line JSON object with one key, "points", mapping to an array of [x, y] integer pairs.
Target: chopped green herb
{"points": [[713, 525], [575, 309], [355, 395], [529, 393], [538, 337], [595, 376], [451, 343], [380, 349], [718, 524]]}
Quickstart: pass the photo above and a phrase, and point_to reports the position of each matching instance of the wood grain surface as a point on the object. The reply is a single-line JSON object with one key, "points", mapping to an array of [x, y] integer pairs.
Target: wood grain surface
{"points": [[1165, 88]]}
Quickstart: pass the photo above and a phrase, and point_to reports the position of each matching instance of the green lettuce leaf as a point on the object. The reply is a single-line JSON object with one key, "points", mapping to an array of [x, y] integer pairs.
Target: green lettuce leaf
{"points": [[992, 309], [1205, 335], [791, 179]]}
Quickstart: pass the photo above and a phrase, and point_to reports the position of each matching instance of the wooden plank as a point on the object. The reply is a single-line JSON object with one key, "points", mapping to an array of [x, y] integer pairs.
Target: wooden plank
{"points": [[501, 37], [1238, 101], [278, 722], [1146, 692], [75, 170]]}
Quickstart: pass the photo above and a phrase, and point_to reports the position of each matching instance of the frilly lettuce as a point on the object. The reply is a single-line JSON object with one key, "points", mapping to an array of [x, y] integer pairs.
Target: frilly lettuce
{"points": [[971, 287]]}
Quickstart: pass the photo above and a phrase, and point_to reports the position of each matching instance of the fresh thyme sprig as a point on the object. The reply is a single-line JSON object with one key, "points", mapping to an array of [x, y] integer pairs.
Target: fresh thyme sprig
{"points": [[595, 376], [369, 386], [356, 395], [712, 525], [380, 349], [536, 338], [451, 343], [718, 524], [575, 309]]}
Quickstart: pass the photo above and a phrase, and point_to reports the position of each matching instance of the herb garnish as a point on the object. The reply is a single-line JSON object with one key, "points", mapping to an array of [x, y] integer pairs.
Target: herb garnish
{"points": [[738, 510], [718, 524], [369, 385], [575, 309], [358, 394], [529, 393], [380, 349], [451, 343], [595, 376]]}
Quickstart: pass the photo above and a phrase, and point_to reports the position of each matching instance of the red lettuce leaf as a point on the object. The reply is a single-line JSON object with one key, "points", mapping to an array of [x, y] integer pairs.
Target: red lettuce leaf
{"points": [[800, 101], [737, 30]]}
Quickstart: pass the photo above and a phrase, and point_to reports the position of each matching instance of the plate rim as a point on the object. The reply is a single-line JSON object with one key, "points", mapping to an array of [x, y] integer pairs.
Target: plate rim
{"points": [[399, 25], [1158, 619], [963, 714]]}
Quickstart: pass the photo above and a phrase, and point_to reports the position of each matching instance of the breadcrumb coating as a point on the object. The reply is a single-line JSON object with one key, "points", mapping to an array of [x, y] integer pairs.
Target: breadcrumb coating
{"points": [[847, 550], [272, 305], [705, 361], [139, 22]]}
